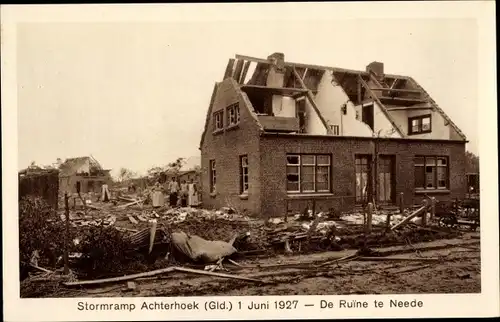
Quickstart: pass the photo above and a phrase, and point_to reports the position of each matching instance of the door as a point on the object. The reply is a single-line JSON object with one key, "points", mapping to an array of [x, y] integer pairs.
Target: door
{"points": [[386, 182], [367, 115], [363, 179]]}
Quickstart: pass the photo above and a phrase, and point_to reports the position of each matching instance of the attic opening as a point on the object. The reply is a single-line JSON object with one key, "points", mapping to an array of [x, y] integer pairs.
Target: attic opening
{"points": [[388, 89]]}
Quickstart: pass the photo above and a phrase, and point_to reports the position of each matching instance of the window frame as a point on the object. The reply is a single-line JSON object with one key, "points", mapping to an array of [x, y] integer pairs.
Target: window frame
{"points": [[315, 165], [216, 114], [244, 178], [213, 175], [420, 129], [435, 166], [235, 108]]}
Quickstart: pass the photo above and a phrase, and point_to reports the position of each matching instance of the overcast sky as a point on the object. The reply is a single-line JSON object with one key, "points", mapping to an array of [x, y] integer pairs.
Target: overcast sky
{"points": [[135, 95]]}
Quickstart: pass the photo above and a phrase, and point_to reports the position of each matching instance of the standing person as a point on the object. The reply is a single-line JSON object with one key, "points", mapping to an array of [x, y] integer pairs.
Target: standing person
{"points": [[193, 194], [173, 190], [184, 193]]}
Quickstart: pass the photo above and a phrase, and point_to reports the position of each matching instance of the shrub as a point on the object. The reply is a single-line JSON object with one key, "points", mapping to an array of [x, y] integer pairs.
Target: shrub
{"points": [[105, 252], [39, 229]]}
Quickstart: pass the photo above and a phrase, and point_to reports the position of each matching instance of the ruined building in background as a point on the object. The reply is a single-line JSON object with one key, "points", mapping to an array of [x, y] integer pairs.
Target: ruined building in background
{"points": [[85, 172], [287, 133]]}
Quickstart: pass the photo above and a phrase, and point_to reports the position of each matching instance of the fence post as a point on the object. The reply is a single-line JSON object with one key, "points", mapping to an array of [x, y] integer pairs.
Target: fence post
{"points": [[369, 217], [424, 215], [66, 234], [401, 203], [286, 210], [388, 221], [433, 208]]}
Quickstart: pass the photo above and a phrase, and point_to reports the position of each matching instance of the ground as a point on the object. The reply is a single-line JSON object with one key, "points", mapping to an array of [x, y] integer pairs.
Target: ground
{"points": [[443, 266]]}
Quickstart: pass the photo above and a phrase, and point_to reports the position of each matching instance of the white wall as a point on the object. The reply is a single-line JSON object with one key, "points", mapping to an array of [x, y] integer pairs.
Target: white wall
{"points": [[439, 129], [382, 124], [314, 125], [284, 106], [330, 99]]}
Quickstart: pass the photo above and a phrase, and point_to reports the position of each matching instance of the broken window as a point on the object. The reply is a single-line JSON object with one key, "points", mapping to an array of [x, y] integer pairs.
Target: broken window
{"points": [[431, 172], [213, 176], [218, 120], [244, 174], [233, 114], [308, 173], [419, 124]]}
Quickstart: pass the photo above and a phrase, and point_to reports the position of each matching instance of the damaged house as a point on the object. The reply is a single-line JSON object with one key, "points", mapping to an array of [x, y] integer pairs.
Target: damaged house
{"points": [[279, 135], [83, 172]]}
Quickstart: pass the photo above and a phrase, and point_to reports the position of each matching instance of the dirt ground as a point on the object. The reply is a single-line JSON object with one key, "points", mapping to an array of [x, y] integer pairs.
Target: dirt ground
{"points": [[443, 266]]}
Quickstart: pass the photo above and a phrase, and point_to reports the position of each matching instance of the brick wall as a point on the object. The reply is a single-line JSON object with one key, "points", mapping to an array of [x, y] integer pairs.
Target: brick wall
{"points": [[343, 150], [226, 148]]}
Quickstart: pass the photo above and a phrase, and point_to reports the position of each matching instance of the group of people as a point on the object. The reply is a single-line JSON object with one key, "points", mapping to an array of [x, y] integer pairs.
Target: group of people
{"points": [[183, 194]]}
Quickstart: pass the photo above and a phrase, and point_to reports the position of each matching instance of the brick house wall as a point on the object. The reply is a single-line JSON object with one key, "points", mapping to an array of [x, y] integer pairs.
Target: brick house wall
{"points": [[225, 148], [343, 150]]}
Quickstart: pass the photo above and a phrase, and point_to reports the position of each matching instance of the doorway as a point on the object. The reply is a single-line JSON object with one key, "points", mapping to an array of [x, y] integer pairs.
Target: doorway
{"points": [[363, 179], [367, 115], [386, 180]]}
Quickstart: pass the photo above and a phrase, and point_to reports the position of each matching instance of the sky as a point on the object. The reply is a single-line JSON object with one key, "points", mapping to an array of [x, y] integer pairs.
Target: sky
{"points": [[135, 95]]}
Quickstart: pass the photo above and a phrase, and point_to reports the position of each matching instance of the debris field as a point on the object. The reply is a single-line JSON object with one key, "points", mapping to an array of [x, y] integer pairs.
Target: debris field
{"points": [[127, 247]]}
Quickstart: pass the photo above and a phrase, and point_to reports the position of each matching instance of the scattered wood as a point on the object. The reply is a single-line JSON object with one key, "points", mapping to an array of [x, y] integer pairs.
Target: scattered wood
{"points": [[157, 272], [348, 257], [93, 207], [130, 286], [417, 259], [416, 213], [218, 264], [314, 224], [130, 204], [121, 278], [132, 220], [41, 268], [152, 235], [197, 271], [410, 269], [106, 290], [234, 263]]}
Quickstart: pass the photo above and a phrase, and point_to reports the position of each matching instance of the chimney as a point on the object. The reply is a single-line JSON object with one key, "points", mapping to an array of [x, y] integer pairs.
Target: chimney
{"points": [[377, 68], [276, 75], [278, 58]]}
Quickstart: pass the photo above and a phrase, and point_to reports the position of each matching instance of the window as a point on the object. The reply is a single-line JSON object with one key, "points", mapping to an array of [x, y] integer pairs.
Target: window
{"points": [[244, 174], [218, 120], [431, 172], [419, 124], [363, 178], [213, 176], [308, 173], [233, 114], [335, 129]]}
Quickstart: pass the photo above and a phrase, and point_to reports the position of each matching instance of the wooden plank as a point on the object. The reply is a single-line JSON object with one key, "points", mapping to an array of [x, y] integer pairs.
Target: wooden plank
{"points": [[416, 213], [237, 70], [402, 259], [229, 68], [382, 106], [197, 271], [311, 99], [121, 278], [283, 89], [385, 89], [244, 72]]}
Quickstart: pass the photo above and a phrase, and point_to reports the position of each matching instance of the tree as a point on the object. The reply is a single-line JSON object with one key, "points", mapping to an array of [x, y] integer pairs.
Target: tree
{"points": [[172, 168], [471, 162], [126, 174]]}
